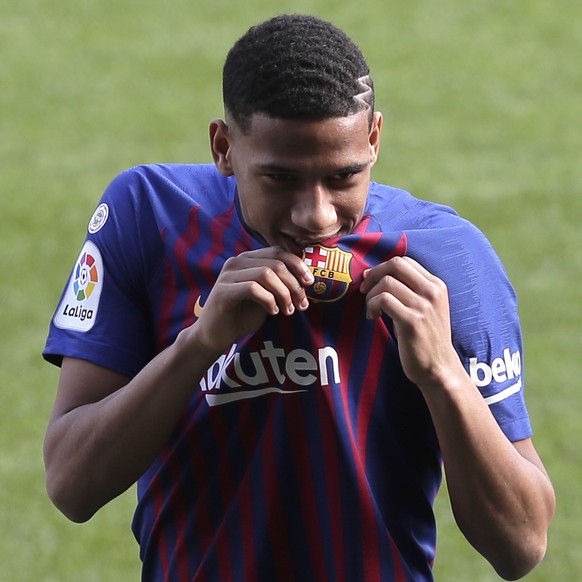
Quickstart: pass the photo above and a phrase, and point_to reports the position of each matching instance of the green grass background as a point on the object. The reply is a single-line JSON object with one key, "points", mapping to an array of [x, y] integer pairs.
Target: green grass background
{"points": [[483, 106]]}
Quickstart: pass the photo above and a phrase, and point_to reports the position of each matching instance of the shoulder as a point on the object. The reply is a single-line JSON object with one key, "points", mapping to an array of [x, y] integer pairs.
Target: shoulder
{"points": [[432, 229], [160, 180], [166, 193], [448, 245], [142, 203], [397, 209]]}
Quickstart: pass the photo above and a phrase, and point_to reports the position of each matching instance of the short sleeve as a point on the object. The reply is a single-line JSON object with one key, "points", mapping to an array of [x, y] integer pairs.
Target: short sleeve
{"points": [[104, 311], [484, 317]]}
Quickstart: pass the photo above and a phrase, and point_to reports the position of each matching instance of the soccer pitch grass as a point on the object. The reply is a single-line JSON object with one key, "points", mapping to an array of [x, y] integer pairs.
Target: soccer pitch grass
{"points": [[482, 111]]}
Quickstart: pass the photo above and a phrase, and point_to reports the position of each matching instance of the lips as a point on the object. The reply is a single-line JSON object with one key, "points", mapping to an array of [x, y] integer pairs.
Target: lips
{"points": [[301, 243], [297, 244]]}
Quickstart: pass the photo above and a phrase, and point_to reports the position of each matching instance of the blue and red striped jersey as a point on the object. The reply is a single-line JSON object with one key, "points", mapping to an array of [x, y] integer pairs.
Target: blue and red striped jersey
{"points": [[305, 453]]}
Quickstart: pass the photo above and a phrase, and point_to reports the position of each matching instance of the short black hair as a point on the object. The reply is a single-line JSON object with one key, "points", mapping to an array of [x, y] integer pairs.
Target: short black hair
{"points": [[296, 66]]}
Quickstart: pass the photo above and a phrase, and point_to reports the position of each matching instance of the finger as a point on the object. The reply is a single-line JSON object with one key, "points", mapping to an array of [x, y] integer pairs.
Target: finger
{"points": [[293, 263], [382, 303], [404, 269], [425, 285], [402, 287], [390, 296], [256, 293], [274, 277], [290, 269]]}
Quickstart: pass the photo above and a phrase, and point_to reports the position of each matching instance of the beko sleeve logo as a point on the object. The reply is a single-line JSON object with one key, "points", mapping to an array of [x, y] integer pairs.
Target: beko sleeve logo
{"points": [[78, 309], [501, 370]]}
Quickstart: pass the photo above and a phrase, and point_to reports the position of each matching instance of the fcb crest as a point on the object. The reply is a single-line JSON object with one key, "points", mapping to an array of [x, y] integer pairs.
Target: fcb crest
{"points": [[331, 270]]}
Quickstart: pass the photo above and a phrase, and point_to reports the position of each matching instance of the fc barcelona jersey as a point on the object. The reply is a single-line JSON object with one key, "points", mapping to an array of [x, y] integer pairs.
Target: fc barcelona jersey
{"points": [[305, 453]]}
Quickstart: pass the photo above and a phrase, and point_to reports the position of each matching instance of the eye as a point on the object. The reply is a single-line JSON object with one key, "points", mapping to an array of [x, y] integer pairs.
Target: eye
{"points": [[342, 176], [281, 178], [345, 179]]}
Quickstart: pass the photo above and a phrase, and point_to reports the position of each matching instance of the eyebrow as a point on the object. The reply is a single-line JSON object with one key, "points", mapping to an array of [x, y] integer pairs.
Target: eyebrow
{"points": [[349, 169]]}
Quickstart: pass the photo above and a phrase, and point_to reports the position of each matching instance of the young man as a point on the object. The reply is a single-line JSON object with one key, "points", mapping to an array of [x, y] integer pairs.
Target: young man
{"points": [[282, 353]]}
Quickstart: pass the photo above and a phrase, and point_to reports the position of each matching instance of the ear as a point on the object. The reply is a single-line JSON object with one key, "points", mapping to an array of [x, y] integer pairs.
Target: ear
{"points": [[374, 137], [220, 146]]}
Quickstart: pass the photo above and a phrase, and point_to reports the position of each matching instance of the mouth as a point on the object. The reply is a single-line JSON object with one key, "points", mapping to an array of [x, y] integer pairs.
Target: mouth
{"points": [[296, 245]]}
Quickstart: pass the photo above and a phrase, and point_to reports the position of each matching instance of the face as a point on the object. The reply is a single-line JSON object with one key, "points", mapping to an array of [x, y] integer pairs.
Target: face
{"points": [[299, 182]]}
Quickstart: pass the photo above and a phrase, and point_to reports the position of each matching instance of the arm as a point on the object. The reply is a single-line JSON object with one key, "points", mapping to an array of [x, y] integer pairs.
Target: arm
{"points": [[106, 429], [501, 496]]}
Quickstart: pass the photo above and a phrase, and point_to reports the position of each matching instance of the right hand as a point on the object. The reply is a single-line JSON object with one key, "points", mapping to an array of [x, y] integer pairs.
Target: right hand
{"points": [[252, 285]]}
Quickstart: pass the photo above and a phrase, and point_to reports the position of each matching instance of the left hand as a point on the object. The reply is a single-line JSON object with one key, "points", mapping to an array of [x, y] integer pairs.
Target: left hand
{"points": [[418, 304]]}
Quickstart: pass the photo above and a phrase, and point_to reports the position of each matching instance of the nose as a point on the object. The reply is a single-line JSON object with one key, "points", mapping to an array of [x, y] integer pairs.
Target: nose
{"points": [[313, 210]]}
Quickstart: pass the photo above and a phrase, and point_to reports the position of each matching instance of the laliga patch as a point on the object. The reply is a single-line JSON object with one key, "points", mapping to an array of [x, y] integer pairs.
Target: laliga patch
{"points": [[331, 270], [98, 219], [78, 309]]}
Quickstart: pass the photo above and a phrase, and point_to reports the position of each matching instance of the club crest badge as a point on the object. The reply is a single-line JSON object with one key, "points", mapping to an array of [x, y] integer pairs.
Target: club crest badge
{"points": [[98, 219], [331, 270]]}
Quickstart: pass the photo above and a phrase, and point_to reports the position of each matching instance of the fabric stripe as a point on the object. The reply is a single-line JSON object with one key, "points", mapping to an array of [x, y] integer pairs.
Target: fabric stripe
{"points": [[279, 543], [370, 540], [168, 299], [331, 459]]}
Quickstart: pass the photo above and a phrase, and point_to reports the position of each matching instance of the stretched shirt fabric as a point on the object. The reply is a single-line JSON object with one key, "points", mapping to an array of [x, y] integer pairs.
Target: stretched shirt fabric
{"points": [[305, 453]]}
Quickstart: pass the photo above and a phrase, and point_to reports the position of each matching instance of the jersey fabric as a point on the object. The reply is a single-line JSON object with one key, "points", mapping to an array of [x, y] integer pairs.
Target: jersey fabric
{"points": [[305, 453]]}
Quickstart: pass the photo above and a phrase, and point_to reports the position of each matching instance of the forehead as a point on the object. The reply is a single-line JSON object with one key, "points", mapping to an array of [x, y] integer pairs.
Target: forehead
{"points": [[301, 139]]}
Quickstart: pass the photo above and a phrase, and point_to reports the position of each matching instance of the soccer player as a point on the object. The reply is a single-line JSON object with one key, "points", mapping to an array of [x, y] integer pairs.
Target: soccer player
{"points": [[284, 354]]}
